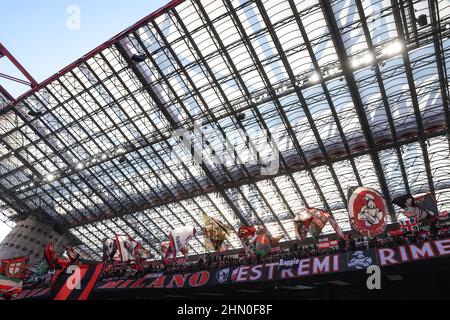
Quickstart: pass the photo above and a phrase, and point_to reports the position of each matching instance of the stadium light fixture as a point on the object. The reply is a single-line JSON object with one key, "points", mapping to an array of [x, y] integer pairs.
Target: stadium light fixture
{"points": [[121, 150], [364, 60], [356, 63], [335, 70], [50, 177], [368, 58], [393, 48], [282, 89], [315, 77], [81, 166], [331, 71]]}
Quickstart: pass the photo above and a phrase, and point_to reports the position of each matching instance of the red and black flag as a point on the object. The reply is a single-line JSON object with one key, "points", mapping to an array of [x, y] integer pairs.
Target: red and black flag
{"points": [[76, 282], [410, 225], [422, 207], [49, 255], [54, 262]]}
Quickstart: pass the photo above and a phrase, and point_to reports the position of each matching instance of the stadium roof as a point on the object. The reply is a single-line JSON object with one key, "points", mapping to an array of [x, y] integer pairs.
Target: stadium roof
{"points": [[345, 93]]}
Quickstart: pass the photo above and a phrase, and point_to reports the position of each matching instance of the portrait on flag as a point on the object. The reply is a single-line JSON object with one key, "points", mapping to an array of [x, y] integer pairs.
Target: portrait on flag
{"points": [[215, 233], [422, 207], [367, 211]]}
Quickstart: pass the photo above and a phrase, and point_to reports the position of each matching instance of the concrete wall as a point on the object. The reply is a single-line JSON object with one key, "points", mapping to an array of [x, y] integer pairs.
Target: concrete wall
{"points": [[28, 239]]}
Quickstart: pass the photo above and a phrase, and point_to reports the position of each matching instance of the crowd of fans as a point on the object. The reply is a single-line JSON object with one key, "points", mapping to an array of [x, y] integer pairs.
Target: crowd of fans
{"points": [[209, 261], [116, 270]]}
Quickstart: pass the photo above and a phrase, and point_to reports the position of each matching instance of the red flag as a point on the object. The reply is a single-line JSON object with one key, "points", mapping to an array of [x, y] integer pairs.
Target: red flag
{"points": [[14, 268], [367, 211], [409, 225], [396, 232], [49, 256]]}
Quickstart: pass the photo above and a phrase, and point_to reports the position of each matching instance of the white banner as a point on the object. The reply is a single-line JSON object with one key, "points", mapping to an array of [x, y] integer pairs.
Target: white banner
{"points": [[181, 237], [126, 246]]}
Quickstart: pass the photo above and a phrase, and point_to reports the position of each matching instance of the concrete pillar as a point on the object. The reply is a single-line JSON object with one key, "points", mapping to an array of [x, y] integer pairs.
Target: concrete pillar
{"points": [[28, 239]]}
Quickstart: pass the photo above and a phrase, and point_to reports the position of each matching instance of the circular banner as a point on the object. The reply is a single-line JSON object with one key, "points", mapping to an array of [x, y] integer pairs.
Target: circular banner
{"points": [[367, 211]]}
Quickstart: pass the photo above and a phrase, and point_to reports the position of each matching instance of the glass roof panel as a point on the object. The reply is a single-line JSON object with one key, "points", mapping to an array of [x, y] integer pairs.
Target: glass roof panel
{"points": [[106, 146]]}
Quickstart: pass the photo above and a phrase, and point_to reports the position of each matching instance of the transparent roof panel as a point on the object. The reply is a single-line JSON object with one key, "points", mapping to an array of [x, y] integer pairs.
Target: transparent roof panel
{"points": [[184, 113]]}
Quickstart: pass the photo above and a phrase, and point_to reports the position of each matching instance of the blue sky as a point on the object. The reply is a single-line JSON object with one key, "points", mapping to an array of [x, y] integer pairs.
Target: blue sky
{"points": [[36, 32]]}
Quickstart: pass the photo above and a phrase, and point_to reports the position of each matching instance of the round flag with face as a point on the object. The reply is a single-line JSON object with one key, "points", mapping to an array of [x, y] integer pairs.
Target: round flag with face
{"points": [[367, 211]]}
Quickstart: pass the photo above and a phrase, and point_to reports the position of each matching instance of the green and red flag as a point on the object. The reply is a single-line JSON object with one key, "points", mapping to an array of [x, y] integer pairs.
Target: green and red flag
{"points": [[263, 244], [248, 235], [10, 285]]}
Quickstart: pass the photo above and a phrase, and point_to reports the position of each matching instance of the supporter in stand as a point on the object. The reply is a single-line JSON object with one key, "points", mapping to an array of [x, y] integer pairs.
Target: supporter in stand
{"points": [[413, 237], [297, 251], [294, 248], [434, 230], [341, 244], [389, 241], [351, 243], [373, 243]]}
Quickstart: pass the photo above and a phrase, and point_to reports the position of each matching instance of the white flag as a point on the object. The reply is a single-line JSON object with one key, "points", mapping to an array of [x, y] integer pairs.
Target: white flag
{"points": [[180, 237], [126, 246]]}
